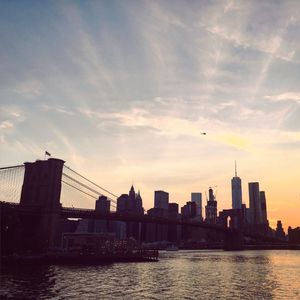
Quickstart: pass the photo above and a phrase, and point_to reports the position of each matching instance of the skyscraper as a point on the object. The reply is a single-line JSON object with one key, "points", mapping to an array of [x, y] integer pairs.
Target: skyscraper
{"points": [[197, 198], [211, 208], [161, 199], [279, 233], [189, 210], [263, 204], [236, 191], [103, 204], [139, 203], [122, 203], [254, 204], [131, 199], [130, 202], [173, 208]]}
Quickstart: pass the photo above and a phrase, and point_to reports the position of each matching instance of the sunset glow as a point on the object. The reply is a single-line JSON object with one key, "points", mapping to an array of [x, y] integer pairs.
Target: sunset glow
{"points": [[123, 90]]}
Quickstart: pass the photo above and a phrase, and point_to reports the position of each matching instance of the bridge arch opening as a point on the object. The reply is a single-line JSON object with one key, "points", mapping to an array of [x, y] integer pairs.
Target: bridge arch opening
{"points": [[228, 221]]}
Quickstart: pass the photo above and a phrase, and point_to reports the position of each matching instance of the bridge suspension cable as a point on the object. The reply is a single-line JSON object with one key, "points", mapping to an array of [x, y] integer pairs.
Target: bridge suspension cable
{"points": [[86, 187], [82, 184], [11, 180], [82, 191], [112, 194], [76, 188], [73, 182]]}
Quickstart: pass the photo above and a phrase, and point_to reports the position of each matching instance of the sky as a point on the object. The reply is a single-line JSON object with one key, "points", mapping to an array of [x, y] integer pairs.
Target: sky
{"points": [[122, 90]]}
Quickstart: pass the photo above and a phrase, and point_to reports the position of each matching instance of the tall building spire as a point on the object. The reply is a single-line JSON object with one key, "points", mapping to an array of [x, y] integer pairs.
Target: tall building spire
{"points": [[236, 189], [235, 168]]}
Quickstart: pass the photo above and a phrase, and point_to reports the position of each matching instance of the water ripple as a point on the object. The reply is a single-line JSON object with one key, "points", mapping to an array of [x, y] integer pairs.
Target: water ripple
{"points": [[178, 275]]}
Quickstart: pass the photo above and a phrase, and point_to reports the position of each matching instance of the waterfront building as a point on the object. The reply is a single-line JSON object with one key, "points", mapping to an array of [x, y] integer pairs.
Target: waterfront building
{"points": [[211, 208], [174, 231], [279, 232], [157, 232], [294, 235], [130, 203], [255, 212], [161, 199], [77, 241], [135, 206], [236, 191], [197, 198], [102, 204]]}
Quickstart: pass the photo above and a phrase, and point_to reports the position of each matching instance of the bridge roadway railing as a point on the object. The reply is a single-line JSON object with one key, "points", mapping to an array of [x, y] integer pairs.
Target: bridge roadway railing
{"points": [[85, 213], [263, 238], [130, 217], [70, 212]]}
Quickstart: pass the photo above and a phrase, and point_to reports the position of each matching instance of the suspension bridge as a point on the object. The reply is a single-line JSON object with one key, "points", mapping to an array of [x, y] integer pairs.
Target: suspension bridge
{"points": [[38, 195]]}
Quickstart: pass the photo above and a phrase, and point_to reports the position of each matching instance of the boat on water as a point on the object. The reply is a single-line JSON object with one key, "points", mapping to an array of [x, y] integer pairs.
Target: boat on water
{"points": [[172, 248]]}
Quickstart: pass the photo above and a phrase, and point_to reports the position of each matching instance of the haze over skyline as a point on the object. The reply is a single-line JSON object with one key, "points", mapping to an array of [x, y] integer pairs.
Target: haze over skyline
{"points": [[121, 90]]}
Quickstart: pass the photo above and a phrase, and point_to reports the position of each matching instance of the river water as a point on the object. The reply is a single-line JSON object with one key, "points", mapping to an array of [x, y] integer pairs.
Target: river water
{"points": [[177, 275]]}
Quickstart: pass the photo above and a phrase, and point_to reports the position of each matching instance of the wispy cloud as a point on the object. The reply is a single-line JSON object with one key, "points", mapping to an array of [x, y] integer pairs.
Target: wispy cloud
{"points": [[29, 89], [71, 153], [131, 86], [6, 125], [288, 96], [58, 109], [269, 46]]}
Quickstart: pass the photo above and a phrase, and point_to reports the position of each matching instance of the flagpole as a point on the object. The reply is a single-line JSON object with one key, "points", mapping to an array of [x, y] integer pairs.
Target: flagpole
{"points": [[47, 154]]}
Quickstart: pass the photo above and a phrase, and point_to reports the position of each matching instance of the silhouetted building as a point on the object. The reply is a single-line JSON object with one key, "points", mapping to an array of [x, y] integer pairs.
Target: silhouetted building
{"points": [[173, 208], [236, 191], [103, 204], [263, 204], [255, 212], [139, 204], [122, 203], [131, 200], [211, 208], [156, 232], [294, 235], [197, 198], [279, 233], [135, 206], [189, 210], [132, 204], [76, 242], [174, 231], [161, 199]]}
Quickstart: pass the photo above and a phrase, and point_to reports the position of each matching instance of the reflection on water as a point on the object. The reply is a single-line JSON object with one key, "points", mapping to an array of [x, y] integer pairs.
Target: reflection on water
{"points": [[178, 275]]}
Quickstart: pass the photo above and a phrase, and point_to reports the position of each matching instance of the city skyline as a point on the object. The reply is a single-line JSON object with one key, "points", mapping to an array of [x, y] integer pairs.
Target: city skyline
{"points": [[123, 91]]}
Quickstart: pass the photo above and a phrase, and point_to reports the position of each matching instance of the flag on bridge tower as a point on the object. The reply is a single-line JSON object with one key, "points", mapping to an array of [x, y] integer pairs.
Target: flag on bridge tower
{"points": [[47, 154]]}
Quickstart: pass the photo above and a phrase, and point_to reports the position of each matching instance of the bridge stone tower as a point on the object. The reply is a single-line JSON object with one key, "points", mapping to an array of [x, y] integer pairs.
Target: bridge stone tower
{"points": [[234, 238], [41, 194], [42, 184]]}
